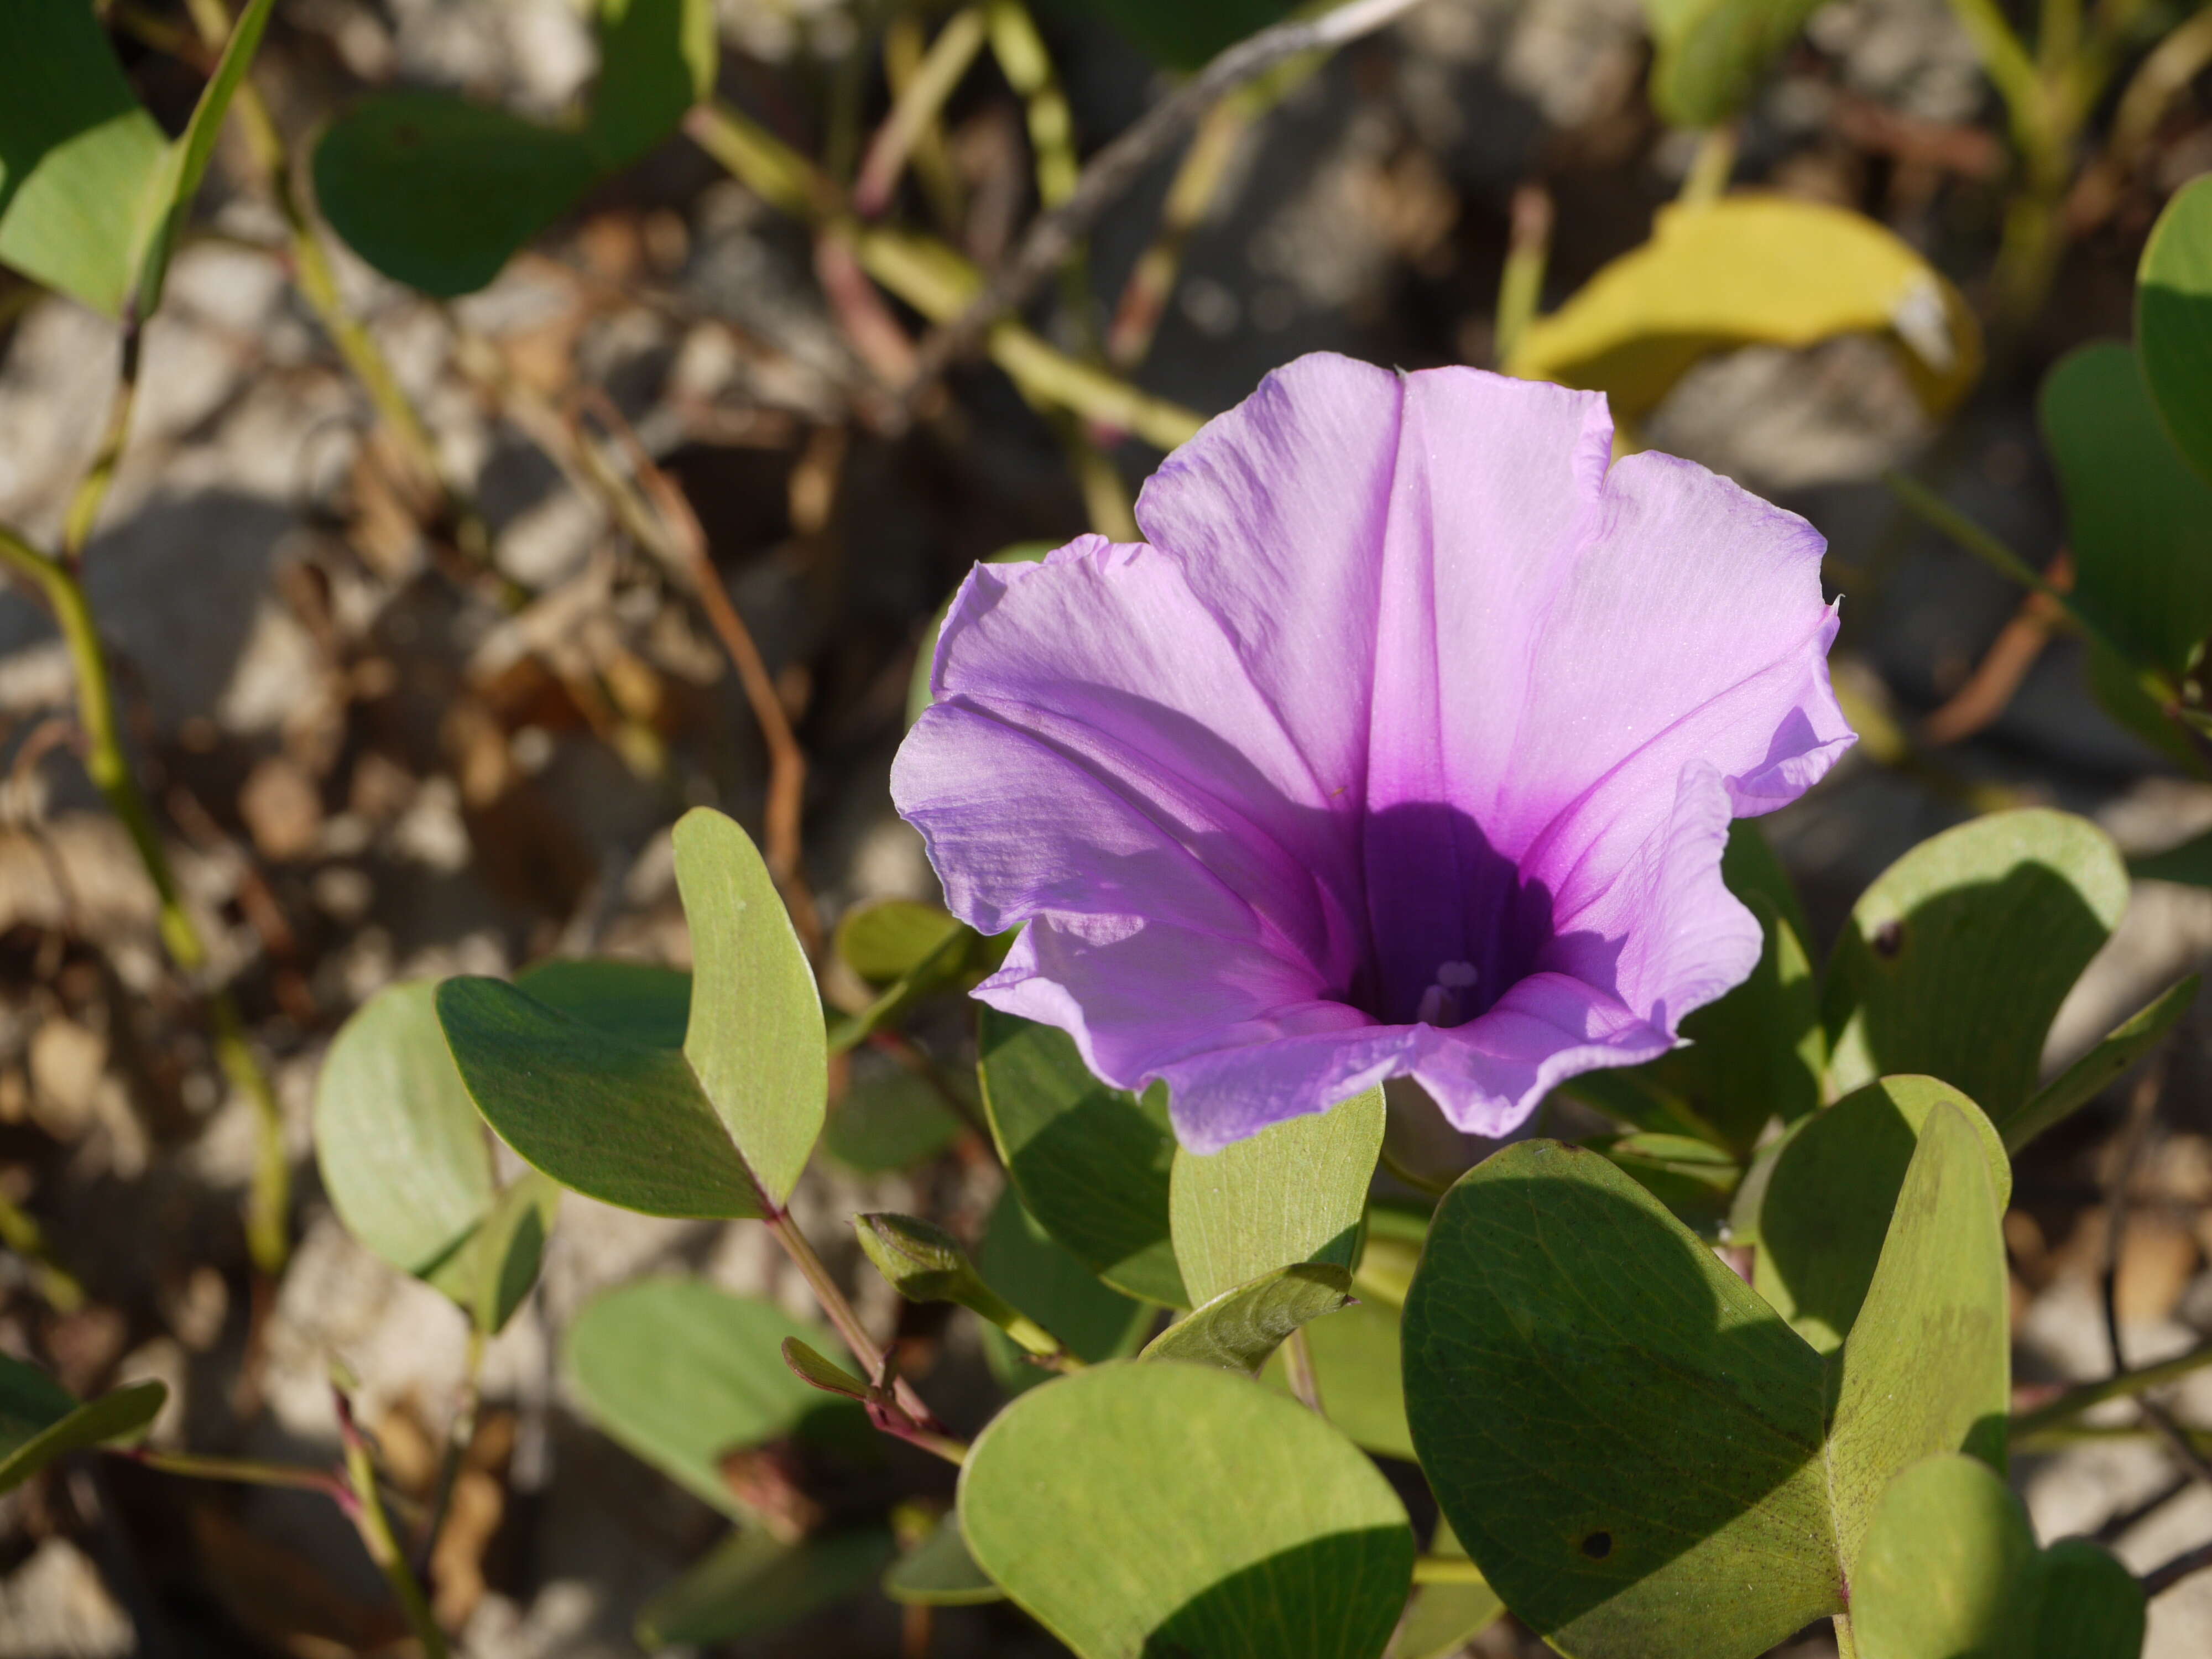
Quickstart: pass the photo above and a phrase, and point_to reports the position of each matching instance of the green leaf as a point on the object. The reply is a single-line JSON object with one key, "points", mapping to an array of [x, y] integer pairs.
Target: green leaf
{"points": [[942, 966], [886, 941], [1046, 1280], [938, 1572], [2173, 321], [78, 156], [1944, 1564], [168, 202], [2139, 520], [1444, 1617], [2190, 864], [1751, 269], [650, 1004], [2087, 1078], [1239, 1328], [924, 1263], [491, 1274], [1642, 1478], [1091, 1163], [1295, 1191], [1712, 52], [1830, 1191], [1950, 1570], [439, 192], [756, 1038], [1955, 960], [1693, 1178], [1147, 1510], [400, 1146], [1183, 36], [1926, 1367], [817, 1370], [752, 1584], [889, 1118], [659, 58], [40, 1420], [610, 1117], [1356, 1364], [682, 1375]]}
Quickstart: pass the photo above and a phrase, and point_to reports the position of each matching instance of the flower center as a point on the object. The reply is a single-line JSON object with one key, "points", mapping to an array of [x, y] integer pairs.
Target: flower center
{"points": [[1447, 1001]]}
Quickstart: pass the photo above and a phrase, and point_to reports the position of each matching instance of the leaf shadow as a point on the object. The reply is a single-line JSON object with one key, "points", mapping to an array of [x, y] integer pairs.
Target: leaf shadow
{"points": [[1334, 1597]]}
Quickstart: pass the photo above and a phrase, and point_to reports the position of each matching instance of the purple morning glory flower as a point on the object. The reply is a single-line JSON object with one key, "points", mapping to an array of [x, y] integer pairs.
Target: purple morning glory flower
{"points": [[1405, 745]]}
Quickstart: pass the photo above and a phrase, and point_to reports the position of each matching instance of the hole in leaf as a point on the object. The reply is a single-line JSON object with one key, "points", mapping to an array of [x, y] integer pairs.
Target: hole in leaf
{"points": [[1598, 1546], [1889, 939]]}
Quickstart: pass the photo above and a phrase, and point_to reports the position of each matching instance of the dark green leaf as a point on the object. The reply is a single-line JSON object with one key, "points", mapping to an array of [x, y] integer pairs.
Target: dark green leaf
{"points": [[1295, 1191], [1926, 1367], [492, 1274], [886, 941], [938, 1572], [1091, 1163], [439, 192], [400, 1146], [1150, 1509], [649, 1005], [2173, 321], [78, 156], [756, 1038], [889, 1118], [606, 1115], [1955, 960], [2140, 520], [1693, 1178], [1044, 1279], [659, 58], [1831, 1193], [2081, 1082], [753, 1584], [682, 1375], [2191, 863], [39, 1419], [1184, 36], [2089, 1607], [1642, 1477], [1239, 1328]]}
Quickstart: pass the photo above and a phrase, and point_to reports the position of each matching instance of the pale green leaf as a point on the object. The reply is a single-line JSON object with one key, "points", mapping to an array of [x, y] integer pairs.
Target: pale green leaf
{"points": [[1240, 1328], [938, 1572], [2173, 319], [1946, 1560]]}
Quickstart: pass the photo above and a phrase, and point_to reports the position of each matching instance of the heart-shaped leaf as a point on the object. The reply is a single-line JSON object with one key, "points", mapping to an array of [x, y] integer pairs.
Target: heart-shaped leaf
{"points": [[39, 1419], [2173, 321], [1950, 1570], [1239, 1328], [753, 1584], [400, 1146], [682, 1375], [2138, 519], [1138, 1510], [1091, 1163], [756, 1038], [1625, 1438], [1295, 1191], [1829, 1194], [1751, 270], [938, 1572], [1955, 960]]}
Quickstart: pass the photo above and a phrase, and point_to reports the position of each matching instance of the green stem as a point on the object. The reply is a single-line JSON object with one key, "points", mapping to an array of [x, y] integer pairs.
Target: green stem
{"points": [[1526, 252], [2076, 1400], [846, 1323], [1711, 168], [458, 1436], [1446, 1570], [241, 1471], [1299, 1365], [91, 492], [376, 1533], [109, 768]]}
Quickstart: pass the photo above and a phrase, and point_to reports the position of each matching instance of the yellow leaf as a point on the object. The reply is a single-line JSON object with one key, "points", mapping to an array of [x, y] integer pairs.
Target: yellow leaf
{"points": [[1752, 270]]}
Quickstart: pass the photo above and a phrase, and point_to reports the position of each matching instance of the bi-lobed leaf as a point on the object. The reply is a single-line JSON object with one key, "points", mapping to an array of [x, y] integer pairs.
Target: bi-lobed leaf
{"points": [[39, 1419], [1751, 269], [1827, 1198], [439, 192], [1240, 1328], [1295, 1191], [2173, 321], [682, 1375], [1146, 1510], [753, 1584], [2139, 520], [1955, 959], [1093, 1163], [1951, 1570]]}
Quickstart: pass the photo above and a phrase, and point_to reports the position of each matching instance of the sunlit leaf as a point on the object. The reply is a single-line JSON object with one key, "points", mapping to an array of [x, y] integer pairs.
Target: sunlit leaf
{"points": [[1240, 1328], [1146, 1510], [1751, 270]]}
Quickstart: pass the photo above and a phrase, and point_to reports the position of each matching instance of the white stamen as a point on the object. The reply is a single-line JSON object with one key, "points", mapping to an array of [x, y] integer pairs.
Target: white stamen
{"points": [[1442, 1003]]}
